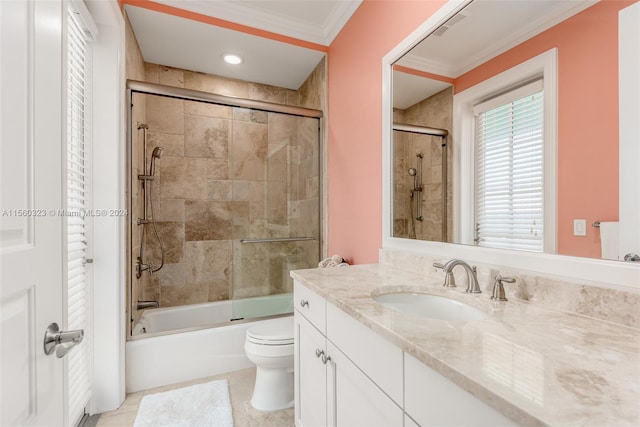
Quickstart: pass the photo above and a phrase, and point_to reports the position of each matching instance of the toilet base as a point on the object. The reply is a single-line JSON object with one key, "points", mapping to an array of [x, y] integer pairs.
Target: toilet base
{"points": [[273, 389]]}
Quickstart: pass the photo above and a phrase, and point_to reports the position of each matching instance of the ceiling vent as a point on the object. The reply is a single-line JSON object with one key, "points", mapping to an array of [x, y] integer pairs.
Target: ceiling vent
{"points": [[450, 23]]}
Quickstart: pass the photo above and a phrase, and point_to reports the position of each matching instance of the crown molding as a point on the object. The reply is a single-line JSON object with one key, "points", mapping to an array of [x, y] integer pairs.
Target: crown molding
{"points": [[339, 16], [429, 66], [274, 22], [558, 14]]}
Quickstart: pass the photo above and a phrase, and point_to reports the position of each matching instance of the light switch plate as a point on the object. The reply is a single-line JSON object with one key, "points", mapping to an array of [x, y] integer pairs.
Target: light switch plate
{"points": [[579, 227]]}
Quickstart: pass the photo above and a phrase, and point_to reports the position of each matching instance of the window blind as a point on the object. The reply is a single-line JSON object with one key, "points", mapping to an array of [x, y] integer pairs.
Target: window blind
{"points": [[509, 170], [78, 198]]}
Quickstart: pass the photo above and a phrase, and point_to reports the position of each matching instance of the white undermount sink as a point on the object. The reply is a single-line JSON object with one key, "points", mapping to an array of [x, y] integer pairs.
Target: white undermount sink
{"points": [[431, 306]]}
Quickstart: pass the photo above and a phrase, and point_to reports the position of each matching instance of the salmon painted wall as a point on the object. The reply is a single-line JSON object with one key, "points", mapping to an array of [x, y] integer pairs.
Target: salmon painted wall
{"points": [[587, 47], [355, 122]]}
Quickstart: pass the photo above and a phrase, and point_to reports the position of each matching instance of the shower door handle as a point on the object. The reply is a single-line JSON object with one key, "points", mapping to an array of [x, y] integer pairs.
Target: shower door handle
{"points": [[61, 341], [277, 239]]}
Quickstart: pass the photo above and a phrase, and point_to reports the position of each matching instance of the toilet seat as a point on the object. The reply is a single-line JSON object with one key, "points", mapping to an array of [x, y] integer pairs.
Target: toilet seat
{"points": [[276, 332]]}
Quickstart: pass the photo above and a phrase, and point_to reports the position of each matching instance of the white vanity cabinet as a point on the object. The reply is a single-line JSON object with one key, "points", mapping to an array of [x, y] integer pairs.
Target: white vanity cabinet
{"points": [[348, 375], [330, 389]]}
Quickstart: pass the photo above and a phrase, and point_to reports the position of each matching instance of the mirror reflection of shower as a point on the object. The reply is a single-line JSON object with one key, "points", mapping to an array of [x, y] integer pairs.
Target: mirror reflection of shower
{"points": [[418, 189], [416, 195], [146, 181]]}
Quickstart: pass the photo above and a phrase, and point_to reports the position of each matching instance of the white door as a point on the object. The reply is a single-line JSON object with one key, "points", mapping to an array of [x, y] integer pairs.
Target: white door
{"points": [[31, 241]]}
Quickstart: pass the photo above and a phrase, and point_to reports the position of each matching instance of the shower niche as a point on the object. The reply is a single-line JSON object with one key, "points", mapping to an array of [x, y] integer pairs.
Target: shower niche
{"points": [[224, 199]]}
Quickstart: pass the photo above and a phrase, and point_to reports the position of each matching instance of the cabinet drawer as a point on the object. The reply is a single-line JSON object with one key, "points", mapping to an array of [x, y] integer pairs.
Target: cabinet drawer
{"points": [[310, 305], [431, 399], [379, 359]]}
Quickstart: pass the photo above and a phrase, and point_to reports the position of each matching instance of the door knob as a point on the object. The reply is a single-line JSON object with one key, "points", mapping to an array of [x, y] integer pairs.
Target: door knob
{"points": [[61, 341]]}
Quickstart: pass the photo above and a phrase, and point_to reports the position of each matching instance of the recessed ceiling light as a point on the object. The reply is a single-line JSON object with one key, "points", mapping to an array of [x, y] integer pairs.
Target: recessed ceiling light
{"points": [[232, 58]]}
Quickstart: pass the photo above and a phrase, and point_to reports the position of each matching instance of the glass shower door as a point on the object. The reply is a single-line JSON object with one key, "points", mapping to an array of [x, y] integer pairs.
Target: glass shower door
{"points": [[276, 171]]}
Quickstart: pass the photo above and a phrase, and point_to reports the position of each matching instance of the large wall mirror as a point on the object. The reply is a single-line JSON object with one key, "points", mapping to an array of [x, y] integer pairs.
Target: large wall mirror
{"points": [[506, 132]]}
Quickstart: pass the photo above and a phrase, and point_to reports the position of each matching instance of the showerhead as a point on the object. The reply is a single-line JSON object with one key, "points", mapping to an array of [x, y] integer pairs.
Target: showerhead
{"points": [[412, 171], [155, 154]]}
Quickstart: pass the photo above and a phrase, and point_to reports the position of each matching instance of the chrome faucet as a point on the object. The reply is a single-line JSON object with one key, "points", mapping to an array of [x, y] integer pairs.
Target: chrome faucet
{"points": [[472, 283]]}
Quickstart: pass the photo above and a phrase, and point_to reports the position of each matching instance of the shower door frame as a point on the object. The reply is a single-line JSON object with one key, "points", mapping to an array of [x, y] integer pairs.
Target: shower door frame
{"points": [[145, 88]]}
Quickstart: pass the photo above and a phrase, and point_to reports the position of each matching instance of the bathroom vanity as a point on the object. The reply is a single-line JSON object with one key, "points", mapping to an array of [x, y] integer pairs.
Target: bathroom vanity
{"points": [[358, 362]]}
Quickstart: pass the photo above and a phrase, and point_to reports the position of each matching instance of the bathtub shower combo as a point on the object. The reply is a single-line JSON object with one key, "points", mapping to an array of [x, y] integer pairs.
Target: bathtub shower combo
{"points": [[224, 206]]}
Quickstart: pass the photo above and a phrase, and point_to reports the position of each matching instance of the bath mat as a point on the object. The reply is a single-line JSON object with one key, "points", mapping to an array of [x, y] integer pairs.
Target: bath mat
{"points": [[200, 405]]}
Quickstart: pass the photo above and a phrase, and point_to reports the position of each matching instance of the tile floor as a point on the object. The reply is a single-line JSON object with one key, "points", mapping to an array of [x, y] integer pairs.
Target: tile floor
{"points": [[240, 389]]}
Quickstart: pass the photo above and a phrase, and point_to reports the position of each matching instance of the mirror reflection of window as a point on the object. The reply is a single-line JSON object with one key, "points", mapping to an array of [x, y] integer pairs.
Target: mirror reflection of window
{"points": [[509, 143]]}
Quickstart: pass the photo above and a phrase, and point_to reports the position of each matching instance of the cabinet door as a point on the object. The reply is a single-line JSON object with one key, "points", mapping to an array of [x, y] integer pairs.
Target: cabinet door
{"points": [[433, 400], [353, 399], [310, 375]]}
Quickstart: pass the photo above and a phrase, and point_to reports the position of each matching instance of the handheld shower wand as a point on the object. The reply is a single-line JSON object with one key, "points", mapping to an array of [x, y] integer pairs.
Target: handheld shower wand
{"points": [[413, 173], [155, 154], [148, 198]]}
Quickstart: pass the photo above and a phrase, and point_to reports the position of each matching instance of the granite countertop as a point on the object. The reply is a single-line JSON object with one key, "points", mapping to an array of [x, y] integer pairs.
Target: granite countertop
{"points": [[536, 365]]}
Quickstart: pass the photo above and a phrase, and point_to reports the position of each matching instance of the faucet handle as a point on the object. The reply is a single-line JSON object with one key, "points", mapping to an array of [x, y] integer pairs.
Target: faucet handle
{"points": [[505, 279], [449, 280], [498, 288]]}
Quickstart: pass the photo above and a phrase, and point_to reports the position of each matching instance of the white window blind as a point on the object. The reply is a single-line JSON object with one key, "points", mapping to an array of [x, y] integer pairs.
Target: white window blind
{"points": [[509, 170], [78, 198]]}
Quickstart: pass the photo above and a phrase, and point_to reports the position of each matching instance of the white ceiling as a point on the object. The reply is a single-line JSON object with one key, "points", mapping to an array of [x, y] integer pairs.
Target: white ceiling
{"points": [[409, 89], [183, 43], [481, 31]]}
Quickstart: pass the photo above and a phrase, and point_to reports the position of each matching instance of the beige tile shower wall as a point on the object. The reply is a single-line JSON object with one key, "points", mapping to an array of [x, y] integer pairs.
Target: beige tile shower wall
{"points": [[229, 173], [313, 94], [435, 111], [134, 69]]}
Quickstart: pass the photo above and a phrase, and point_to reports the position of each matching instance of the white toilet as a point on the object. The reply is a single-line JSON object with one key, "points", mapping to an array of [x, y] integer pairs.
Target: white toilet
{"points": [[270, 346]]}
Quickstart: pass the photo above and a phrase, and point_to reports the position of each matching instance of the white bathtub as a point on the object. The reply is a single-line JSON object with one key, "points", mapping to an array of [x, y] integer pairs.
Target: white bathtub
{"points": [[195, 341]]}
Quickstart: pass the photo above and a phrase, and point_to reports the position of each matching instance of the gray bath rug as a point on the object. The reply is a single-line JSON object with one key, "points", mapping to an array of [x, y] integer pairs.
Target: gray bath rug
{"points": [[200, 405]]}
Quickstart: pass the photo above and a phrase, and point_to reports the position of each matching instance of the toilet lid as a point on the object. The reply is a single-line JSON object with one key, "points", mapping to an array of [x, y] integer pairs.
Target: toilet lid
{"points": [[274, 332]]}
